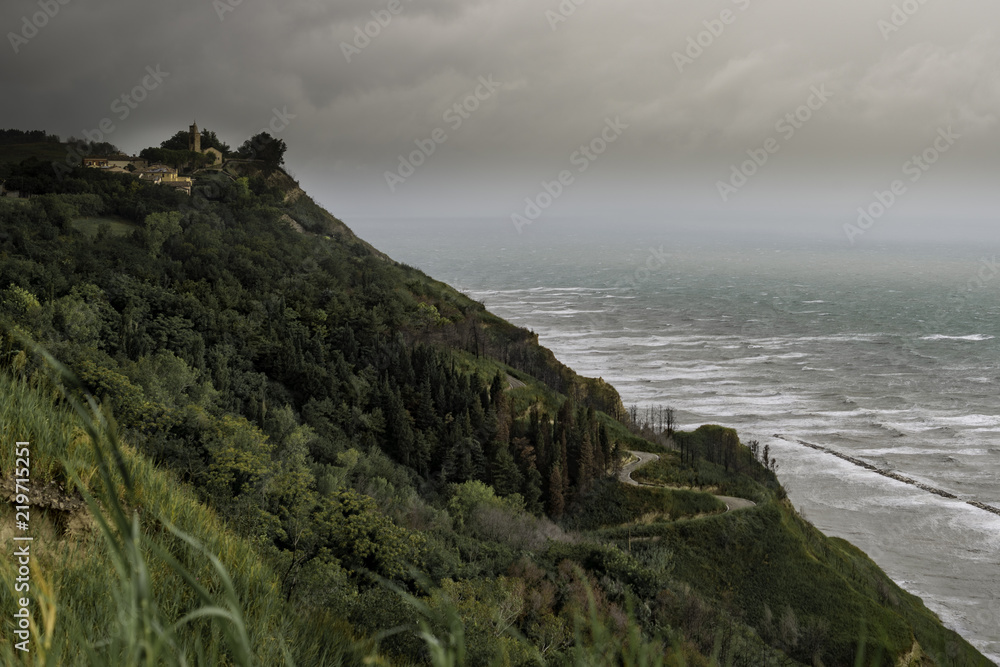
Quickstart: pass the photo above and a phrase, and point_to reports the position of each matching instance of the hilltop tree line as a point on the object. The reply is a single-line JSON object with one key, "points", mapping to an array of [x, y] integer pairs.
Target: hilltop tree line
{"points": [[269, 150], [175, 151], [209, 139], [12, 136]]}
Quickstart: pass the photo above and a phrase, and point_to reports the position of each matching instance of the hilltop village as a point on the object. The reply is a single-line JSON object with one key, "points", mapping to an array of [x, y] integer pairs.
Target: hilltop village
{"points": [[160, 174], [173, 164]]}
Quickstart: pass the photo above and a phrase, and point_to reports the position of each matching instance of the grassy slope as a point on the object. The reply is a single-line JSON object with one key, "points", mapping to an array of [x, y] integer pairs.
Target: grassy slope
{"points": [[767, 560], [614, 504], [72, 562]]}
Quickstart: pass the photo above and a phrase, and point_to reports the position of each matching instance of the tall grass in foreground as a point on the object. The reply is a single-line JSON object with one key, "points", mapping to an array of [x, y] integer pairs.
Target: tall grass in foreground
{"points": [[146, 584], [140, 633]]}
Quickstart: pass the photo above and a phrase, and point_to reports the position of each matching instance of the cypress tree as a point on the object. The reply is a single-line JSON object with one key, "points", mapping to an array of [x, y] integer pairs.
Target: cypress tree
{"points": [[557, 501], [586, 465], [533, 490], [507, 477]]}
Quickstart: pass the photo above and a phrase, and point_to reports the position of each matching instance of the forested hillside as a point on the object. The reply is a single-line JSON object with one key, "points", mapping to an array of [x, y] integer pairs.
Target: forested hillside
{"points": [[382, 452]]}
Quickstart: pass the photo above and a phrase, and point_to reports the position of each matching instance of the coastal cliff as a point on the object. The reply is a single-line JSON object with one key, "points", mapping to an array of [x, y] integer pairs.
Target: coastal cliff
{"points": [[389, 473]]}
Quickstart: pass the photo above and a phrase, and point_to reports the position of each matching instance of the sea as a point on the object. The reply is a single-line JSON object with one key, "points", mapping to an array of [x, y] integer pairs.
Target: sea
{"points": [[884, 353]]}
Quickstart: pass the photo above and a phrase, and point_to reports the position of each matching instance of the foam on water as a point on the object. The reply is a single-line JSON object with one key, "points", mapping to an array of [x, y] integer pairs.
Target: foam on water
{"points": [[972, 337], [991, 421]]}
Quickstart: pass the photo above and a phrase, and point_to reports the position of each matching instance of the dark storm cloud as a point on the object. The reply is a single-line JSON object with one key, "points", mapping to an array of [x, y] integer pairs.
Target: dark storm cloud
{"points": [[360, 101]]}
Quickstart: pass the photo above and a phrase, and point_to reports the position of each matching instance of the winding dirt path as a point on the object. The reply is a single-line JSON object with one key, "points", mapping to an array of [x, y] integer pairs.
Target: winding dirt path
{"points": [[625, 476], [626, 472]]}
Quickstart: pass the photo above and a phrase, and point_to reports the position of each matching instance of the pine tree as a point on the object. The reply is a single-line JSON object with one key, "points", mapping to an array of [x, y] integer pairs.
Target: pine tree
{"points": [[477, 418], [557, 501], [586, 465], [532, 491], [458, 465], [398, 440], [604, 446], [497, 395], [473, 449], [563, 461], [424, 415], [423, 448], [524, 453], [543, 445], [507, 477]]}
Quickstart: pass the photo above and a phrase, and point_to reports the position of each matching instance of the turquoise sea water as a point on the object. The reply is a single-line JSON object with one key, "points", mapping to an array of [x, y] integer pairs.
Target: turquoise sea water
{"points": [[890, 355]]}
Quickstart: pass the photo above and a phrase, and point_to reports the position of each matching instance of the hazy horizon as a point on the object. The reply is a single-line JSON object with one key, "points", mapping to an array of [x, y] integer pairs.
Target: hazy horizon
{"points": [[824, 106]]}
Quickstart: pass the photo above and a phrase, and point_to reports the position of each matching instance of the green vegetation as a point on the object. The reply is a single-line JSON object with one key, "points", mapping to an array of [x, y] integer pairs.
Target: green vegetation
{"points": [[179, 142], [14, 154], [178, 159], [90, 580], [103, 226], [262, 146], [752, 482], [614, 504], [10, 137], [343, 433], [813, 597]]}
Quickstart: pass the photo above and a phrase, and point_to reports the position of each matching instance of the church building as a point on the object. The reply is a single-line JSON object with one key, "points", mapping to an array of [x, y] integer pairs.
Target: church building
{"points": [[194, 144]]}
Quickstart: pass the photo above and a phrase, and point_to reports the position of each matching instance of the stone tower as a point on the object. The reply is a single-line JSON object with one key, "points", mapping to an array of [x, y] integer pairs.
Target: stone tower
{"points": [[194, 141]]}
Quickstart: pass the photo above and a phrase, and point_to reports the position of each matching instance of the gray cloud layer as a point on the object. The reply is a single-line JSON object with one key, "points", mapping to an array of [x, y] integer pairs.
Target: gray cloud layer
{"points": [[230, 64]]}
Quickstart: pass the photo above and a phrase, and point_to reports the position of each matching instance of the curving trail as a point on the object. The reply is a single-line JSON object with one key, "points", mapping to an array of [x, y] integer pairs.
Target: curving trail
{"points": [[625, 476], [626, 472]]}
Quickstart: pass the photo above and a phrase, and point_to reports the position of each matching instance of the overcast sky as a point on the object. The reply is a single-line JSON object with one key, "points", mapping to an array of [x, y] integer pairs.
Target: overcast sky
{"points": [[883, 88]]}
